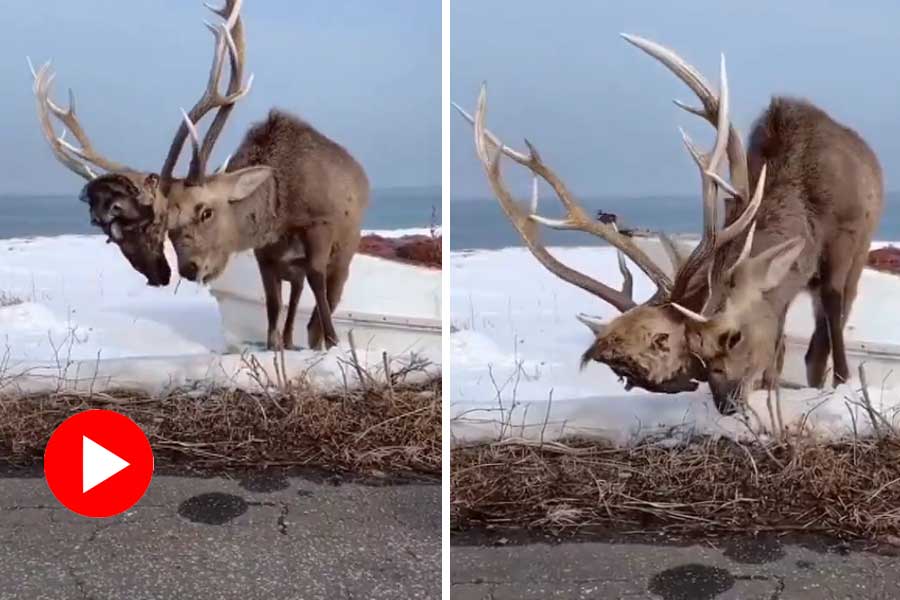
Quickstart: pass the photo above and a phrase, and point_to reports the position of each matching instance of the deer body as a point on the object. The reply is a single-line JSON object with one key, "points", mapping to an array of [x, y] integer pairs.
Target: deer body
{"points": [[303, 222], [824, 191]]}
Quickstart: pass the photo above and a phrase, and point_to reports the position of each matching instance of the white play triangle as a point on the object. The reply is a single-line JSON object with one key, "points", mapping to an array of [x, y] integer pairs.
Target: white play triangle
{"points": [[97, 464]]}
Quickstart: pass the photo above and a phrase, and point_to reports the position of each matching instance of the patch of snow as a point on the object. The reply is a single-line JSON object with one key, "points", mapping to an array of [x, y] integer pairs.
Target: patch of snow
{"points": [[85, 318], [515, 348], [402, 232]]}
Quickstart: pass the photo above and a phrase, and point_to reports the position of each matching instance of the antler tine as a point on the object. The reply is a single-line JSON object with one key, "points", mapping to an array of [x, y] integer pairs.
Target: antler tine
{"points": [[224, 166], [519, 157], [704, 162], [228, 35], [627, 276], [490, 152], [708, 165], [192, 134], [78, 160], [737, 157], [233, 33], [577, 218]]}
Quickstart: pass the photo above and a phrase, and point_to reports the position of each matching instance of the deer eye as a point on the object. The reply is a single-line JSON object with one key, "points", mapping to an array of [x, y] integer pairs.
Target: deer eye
{"points": [[206, 214]]}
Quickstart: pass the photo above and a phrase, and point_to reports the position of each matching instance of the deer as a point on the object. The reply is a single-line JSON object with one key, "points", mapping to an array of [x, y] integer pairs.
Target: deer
{"points": [[806, 223], [289, 193], [824, 200]]}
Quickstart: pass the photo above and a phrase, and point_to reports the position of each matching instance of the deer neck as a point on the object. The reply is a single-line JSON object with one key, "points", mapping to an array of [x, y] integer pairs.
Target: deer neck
{"points": [[257, 219]]}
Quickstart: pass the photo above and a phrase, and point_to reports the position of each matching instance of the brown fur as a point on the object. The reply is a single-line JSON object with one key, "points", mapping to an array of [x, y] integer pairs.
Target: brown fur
{"points": [[132, 214], [823, 186], [303, 221]]}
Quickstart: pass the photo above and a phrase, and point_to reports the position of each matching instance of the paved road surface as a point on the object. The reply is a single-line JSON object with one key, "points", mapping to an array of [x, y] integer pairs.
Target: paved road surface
{"points": [[193, 538], [746, 569]]}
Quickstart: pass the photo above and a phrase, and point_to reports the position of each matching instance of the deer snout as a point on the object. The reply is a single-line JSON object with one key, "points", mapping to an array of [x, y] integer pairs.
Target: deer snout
{"points": [[189, 270], [160, 276], [726, 394]]}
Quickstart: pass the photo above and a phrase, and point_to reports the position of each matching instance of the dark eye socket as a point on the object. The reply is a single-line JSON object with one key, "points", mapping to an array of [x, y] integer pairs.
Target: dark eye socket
{"points": [[206, 214], [730, 339]]}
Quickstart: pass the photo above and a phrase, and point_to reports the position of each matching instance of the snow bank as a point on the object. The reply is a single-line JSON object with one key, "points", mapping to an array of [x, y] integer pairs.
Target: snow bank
{"points": [[515, 347], [72, 308]]}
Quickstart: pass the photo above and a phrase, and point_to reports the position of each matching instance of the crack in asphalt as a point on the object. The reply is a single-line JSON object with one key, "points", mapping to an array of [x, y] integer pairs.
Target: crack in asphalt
{"points": [[282, 518], [79, 583], [102, 527]]}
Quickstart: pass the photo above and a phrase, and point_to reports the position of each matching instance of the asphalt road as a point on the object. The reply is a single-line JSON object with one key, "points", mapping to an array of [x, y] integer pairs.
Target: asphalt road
{"points": [[252, 537], [758, 568]]}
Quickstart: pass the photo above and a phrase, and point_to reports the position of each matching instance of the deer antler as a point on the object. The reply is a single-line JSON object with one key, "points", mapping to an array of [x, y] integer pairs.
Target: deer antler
{"points": [[716, 111], [490, 150], [81, 160], [737, 157], [228, 36]]}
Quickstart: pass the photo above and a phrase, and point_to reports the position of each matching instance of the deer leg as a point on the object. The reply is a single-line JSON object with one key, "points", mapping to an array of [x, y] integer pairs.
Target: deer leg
{"points": [[318, 242], [293, 301], [337, 277], [272, 290], [834, 279], [843, 301], [819, 344], [851, 286], [772, 374], [833, 301]]}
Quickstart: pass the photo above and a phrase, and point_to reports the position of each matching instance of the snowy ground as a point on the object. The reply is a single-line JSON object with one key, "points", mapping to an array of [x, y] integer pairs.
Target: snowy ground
{"points": [[515, 348], [73, 306]]}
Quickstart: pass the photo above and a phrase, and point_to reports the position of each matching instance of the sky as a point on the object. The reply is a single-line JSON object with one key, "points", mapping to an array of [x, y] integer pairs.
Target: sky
{"points": [[599, 110], [365, 73]]}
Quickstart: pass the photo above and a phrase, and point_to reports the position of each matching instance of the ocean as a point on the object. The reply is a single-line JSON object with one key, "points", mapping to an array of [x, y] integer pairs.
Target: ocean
{"points": [[30, 216], [479, 223], [476, 223]]}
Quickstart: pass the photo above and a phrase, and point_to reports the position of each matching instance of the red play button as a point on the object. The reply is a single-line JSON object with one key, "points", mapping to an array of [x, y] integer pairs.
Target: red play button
{"points": [[98, 463]]}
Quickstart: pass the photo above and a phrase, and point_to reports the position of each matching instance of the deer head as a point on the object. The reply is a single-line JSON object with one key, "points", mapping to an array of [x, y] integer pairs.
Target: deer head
{"points": [[202, 222], [647, 344], [124, 203], [738, 339], [133, 207]]}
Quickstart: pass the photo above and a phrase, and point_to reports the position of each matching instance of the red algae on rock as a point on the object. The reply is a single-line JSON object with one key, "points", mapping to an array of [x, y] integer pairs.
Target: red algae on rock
{"points": [[422, 250]]}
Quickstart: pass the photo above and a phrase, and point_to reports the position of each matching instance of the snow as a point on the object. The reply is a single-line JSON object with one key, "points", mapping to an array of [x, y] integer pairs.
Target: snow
{"points": [[74, 312], [515, 347]]}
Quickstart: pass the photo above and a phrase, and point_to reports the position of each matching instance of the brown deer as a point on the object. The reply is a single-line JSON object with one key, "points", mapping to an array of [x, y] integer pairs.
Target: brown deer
{"points": [[823, 191], [823, 200], [290, 193]]}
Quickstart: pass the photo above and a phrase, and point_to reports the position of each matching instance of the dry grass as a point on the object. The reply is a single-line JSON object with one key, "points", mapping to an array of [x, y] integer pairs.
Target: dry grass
{"points": [[382, 429], [708, 486]]}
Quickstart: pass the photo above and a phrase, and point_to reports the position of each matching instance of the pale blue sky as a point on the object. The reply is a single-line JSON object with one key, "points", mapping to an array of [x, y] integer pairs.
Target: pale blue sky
{"points": [[600, 110], [365, 73]]}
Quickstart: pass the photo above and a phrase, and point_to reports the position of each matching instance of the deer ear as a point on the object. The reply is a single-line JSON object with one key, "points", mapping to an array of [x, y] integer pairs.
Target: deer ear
{"points": [[768, 268], [240, 184], [151, 184]]}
